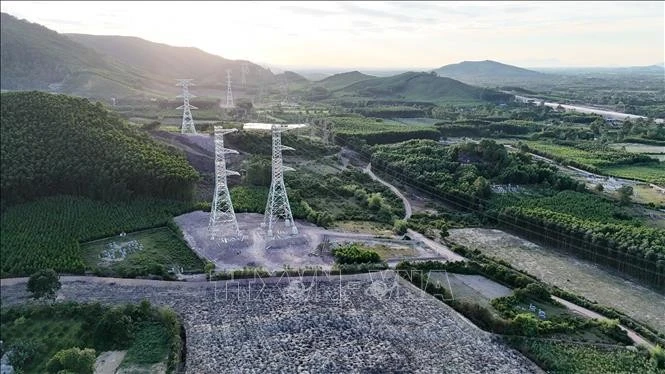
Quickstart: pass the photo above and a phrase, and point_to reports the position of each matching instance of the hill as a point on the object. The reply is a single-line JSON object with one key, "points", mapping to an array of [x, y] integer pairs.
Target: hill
{"points": [[342, 80], [168, 63], [488, 73], [56, 144], [425, 87], [34, 57]]}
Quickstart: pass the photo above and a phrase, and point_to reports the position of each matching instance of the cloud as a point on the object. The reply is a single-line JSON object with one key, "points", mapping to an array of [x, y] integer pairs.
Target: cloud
{"points": [[308, 11], [376, 13]]}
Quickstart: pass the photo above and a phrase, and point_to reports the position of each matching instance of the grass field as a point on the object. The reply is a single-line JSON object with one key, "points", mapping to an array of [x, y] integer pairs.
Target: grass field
{"points": [[161, 247], [470, 288], [387, 252], [639, 148], [568, 273], [653, 173], [606, 162]]}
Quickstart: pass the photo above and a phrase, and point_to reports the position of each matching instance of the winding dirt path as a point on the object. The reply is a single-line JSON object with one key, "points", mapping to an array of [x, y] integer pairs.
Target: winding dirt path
{"points": [[438, 247]]}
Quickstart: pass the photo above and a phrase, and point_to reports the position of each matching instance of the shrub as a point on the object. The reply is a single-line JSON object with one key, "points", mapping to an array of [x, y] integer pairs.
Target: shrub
{"points": [[354, 254], [75, 360], [533, 290], [44, 283], [22, 353], [399, 227], [525, 324], [115, 329], [658, 356]]}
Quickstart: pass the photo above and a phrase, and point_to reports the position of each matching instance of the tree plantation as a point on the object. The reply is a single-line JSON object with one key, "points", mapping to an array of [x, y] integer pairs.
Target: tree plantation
{"points": [[55, 144]]}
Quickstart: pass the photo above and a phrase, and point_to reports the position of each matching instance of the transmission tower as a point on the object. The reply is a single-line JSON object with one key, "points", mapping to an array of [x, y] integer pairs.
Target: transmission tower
{"points": [[277, 206], [284, 87], [187, 120], [244, 70], [229, 94], [223, 221]]}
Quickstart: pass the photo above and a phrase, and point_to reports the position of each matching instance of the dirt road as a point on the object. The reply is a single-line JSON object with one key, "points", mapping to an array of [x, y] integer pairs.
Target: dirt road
{"points": [[636, 338]]}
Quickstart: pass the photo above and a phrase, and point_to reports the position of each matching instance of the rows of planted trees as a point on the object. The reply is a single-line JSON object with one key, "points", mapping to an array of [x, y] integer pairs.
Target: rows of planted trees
{"points": [[56, 144], [376, 131], [461, 175], [46, 233]]}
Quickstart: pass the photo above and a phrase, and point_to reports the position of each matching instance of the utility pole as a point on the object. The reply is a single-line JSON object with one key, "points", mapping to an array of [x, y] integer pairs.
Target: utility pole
{"points": [[187, 120]]}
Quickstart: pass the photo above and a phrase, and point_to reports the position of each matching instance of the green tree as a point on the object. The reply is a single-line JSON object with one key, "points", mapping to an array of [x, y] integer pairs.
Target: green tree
{"points": [[399, 227], [72, 360], [658, 356], [44, 283], [481, 188], [374, 201], [526, 324], [258, 171], [625, 192], [209, 267], [114, 330]]}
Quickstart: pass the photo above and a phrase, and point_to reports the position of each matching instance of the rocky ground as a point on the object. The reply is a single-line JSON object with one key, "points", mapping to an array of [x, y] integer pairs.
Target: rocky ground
{"points": [[348, 324]]}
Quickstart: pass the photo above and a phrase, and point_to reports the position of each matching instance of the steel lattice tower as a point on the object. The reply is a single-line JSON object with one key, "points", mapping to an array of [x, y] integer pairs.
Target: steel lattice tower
{"points": [[222, 215], [229, 94], [187, 120], [278, 206]]}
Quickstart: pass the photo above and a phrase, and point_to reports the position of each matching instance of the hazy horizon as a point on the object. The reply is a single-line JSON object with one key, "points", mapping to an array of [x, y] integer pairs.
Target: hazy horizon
{"points": [[343, 36]]}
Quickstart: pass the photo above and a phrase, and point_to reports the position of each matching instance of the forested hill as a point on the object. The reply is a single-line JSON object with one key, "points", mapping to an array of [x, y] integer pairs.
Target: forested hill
{"points": [[488, 72], [96, 66], [34, 57], [168, 62], [342, 80], [427, 87], [56, 144]]}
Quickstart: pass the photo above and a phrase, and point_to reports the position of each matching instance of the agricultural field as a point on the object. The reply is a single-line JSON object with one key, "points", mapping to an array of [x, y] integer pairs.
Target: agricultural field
{"points": [[566, 272], [654, 173], [640, 148], [151, 251], [616, 162], [379, 131], [46, 233]]}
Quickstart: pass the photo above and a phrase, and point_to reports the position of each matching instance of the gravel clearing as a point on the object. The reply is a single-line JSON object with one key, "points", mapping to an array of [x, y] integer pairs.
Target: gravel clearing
{"points": [[372, 323]]}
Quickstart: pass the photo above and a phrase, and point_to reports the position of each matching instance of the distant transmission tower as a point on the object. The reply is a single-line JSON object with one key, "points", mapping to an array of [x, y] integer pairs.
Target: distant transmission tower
{"points": [[243, 74], [285, 90], [187, 120], [229, 94], [223, 223]]}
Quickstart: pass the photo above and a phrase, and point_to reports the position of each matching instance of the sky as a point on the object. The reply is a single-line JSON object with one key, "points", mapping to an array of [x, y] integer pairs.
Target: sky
{"points": [[380, 35]]}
